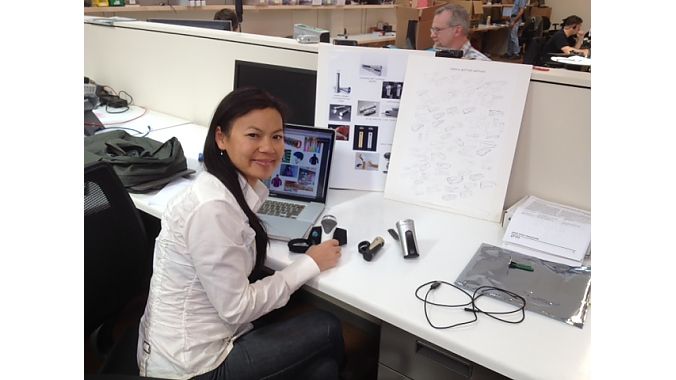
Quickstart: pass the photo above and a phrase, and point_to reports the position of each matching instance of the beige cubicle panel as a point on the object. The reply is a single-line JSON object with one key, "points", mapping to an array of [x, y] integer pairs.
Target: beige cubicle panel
{"points": [[553, 154], [540, 11], [186, 76], [180, 74]]}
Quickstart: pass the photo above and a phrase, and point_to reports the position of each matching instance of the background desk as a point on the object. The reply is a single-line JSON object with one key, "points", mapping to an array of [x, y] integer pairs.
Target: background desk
{"points": [[371, 39], [491, 39], [539, 348]]}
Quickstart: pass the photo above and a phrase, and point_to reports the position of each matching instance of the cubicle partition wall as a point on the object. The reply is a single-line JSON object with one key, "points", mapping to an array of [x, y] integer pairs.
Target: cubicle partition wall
{"points": [[553, 153], [178, 70], [186, 71], [271, 20]]}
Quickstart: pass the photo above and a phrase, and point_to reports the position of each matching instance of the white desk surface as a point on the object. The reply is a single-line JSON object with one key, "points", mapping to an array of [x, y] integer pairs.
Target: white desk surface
{"points": [[539, 348], [487, 28], [137, 120], [562, 76]]}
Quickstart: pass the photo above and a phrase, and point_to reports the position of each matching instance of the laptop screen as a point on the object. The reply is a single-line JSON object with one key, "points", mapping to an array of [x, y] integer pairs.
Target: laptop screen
{"points": [[304, 172]]}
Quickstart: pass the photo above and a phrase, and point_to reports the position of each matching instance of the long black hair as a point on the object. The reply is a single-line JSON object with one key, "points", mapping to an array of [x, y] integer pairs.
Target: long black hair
{"points": [[235, 105]]}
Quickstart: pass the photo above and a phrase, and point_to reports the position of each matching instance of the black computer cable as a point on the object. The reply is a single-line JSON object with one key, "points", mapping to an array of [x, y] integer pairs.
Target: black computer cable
{"points": [[130, 129], [145, 110], [473, 307], [123, 109], [113, 99], [484, 290], [433, 285]]}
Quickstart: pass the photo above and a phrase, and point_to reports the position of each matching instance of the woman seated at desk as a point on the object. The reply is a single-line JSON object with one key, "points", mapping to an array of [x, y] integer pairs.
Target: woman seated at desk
{"points": [[197, 321]]}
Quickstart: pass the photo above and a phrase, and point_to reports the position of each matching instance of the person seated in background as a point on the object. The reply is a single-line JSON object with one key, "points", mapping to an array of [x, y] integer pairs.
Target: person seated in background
{"points": [[228, 14], [567, 40], [450, 29]]}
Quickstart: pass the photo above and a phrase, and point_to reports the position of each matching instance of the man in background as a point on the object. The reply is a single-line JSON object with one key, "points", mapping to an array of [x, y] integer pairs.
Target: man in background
{"points": [[513, 48], [567, 40], [228, 14], [450, 29]]}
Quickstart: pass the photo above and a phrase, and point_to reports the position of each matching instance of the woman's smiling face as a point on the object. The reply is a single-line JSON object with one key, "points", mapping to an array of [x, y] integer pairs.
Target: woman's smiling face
{"points": [[255, 143]]}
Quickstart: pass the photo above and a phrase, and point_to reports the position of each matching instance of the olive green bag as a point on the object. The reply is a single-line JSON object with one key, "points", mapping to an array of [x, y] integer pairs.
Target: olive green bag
{"points": [[142, 163]]}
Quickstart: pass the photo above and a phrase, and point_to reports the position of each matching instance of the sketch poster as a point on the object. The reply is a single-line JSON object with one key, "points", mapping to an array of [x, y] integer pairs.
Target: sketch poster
{"points": [[358, 95], [456, 134]]}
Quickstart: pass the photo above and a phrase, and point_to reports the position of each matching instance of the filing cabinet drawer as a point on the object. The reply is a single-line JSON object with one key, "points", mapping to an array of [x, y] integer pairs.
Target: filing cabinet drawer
{"points": [[417, 359], [385, 373]]}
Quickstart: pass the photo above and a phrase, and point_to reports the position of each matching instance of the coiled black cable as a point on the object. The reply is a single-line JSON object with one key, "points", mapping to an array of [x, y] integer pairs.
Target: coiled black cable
{"points": [[478, 293]]}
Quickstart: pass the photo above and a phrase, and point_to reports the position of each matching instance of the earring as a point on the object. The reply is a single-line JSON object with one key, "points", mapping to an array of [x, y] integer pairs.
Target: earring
{"points": [[221, 153]]}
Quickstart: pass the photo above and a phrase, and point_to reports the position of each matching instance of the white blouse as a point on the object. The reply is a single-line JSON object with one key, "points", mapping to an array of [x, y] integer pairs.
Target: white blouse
{"points": [[200, 298]]}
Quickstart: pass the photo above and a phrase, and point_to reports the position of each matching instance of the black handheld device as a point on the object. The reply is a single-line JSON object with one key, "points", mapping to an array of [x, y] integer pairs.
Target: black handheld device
{"points": [[449, 53]]}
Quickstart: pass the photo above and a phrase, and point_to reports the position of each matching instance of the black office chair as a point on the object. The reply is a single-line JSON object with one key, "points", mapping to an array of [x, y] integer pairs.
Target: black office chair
{"points": [[534, 55], [411, 31], [117, 267]]}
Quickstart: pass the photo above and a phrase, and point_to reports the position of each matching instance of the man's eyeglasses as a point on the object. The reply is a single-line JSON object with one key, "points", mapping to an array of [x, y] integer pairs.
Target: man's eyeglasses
{"points": [[435, 30]]}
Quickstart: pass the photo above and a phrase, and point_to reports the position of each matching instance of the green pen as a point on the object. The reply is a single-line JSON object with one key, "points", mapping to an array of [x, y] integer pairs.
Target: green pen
{"points": [[526, 267]]}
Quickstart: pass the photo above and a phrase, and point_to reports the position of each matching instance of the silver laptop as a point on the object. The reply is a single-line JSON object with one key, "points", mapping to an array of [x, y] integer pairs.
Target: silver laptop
{"points": [[298, 188]]}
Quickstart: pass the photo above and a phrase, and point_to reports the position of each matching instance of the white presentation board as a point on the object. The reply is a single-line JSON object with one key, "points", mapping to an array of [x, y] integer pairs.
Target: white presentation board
{"points": [[358, 95], [456, 134]]}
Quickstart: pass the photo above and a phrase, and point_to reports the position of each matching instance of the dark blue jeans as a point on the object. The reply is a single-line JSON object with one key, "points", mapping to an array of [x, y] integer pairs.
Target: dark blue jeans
{"points": [[307, 346]]}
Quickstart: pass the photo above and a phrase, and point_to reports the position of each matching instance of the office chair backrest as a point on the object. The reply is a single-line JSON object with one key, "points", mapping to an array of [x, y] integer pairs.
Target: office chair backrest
{"points": [[534, 49], [115, 246], [546, 24]]}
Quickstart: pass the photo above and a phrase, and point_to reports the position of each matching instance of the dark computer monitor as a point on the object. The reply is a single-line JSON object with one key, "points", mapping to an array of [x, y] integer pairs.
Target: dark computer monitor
{"points": [[209, 24], [295, 87], [341, 41], [411, 34]]}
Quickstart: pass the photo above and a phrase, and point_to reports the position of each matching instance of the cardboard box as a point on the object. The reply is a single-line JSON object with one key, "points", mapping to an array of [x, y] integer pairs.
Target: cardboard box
{"points": [[421, 3], [465, 3], [477, 9], [424, 16], [540, 11]]}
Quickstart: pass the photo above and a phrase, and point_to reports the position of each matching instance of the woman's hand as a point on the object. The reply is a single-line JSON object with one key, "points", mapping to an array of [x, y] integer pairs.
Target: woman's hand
{"points": [[326, 254]]}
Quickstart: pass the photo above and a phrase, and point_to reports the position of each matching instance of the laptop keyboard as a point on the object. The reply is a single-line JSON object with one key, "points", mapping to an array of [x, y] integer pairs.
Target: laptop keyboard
{"points": [[282, 209]]}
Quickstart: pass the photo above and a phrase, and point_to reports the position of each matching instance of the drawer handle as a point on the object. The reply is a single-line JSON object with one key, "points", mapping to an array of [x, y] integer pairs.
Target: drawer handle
{"points": [[452, 362]]}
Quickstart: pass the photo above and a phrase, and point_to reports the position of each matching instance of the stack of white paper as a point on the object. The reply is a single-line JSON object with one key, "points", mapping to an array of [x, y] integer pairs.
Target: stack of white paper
{"points": [[549, 231]]}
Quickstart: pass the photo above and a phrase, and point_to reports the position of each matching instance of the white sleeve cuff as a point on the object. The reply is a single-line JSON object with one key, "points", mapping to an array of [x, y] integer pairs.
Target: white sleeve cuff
{"points": [[299, 271]]}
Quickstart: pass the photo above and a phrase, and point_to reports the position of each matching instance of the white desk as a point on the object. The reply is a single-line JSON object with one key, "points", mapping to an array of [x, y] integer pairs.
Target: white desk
{"points": [[370, 39], [539, 348], [137, 120]]}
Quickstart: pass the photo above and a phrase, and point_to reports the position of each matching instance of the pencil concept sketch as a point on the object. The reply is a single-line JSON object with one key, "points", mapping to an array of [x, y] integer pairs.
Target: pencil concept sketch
{"points": [[456, 135]]}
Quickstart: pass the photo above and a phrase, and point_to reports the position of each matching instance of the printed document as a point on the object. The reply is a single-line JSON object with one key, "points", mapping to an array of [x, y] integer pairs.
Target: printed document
{"points": [[550, 231]]}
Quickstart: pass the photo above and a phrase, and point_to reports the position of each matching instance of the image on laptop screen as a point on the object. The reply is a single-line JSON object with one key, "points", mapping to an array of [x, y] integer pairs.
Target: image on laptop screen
{"points": [[298, 188], [304, 172]]}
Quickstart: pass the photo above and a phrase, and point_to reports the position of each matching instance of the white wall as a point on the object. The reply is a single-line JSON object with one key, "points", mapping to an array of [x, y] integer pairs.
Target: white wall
{"points": [[180, 75], [553, 156], [564, 8]]}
